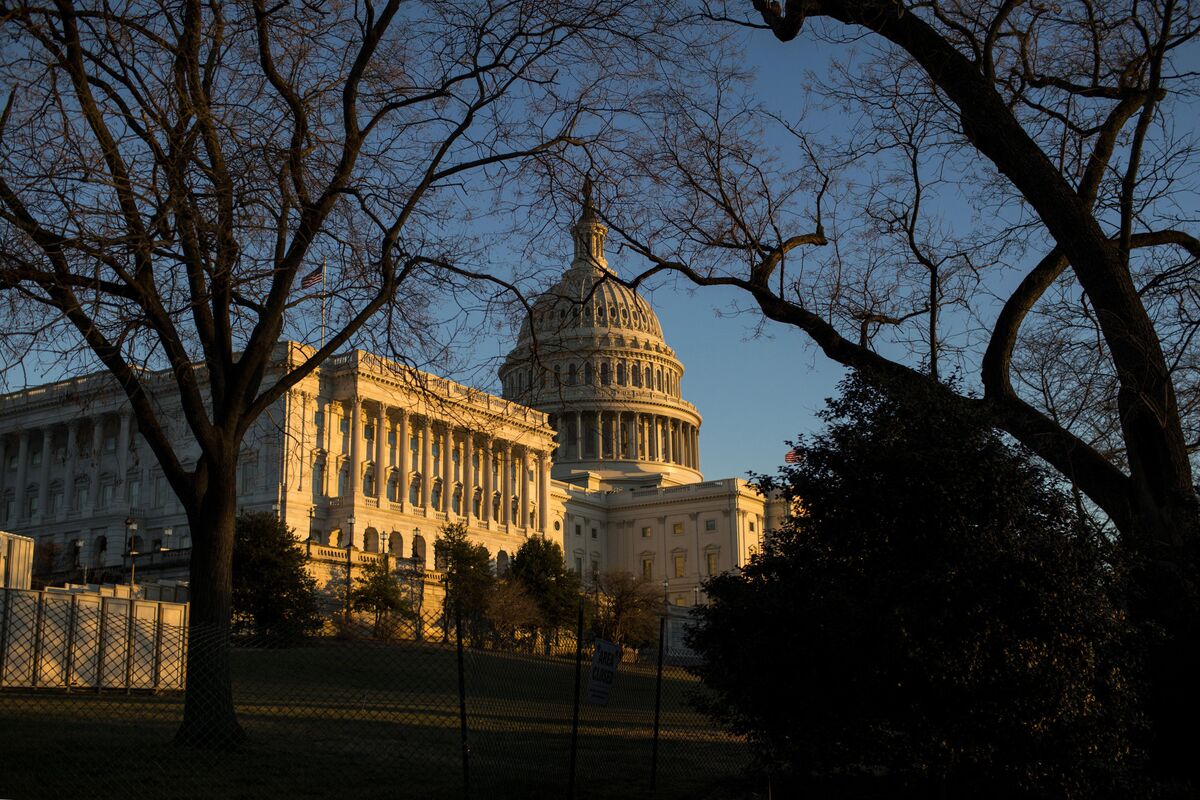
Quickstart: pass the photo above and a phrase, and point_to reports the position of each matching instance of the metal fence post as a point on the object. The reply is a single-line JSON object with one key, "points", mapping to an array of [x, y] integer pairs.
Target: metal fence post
{"points": [[37, 639], [7, 595], [69, 661], [662, 645], [462, 704], [129, 648], [100, 645], [575, 714]]}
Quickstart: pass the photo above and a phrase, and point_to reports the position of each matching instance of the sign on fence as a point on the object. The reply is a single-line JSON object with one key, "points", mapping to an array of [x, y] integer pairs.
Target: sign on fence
{"points": [[604, 672]]}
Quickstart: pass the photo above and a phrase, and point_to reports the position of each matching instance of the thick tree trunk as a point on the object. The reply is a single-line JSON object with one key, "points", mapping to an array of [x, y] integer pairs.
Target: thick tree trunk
{"points": [[1164, 600], [209, 719]]}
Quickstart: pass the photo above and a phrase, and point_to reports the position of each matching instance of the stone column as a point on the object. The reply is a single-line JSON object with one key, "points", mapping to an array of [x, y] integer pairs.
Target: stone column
{"points": [[696, 446], [380, 443], [330, 461], [506, 482], [523, 482], [97, 443], [485, 465], [123, 448], [448, 469], [426, 462], [22, 470], [44, 474], [356, 447], [579, 436], [544, 492], [402, 437], [468, 475], [599, 435], [672, 454]]}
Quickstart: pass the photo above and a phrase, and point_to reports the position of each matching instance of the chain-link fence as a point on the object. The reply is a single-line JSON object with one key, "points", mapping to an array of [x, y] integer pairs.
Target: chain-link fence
{"points": [[390, 710]]}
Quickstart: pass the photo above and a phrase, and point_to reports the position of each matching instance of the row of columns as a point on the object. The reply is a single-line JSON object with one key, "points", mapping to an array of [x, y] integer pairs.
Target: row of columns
{"points": [[632, 436], [23, 480], [449, 437]]}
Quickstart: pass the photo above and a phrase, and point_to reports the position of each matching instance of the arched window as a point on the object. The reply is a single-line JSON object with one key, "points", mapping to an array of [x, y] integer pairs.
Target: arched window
{"points": [[418, 549], [621, 373], [649, 378], [587, 372], [658, 380], [570, 375], [414, 490], [636, 374], [396, 543], [604, 376], [371, 540], [501, 563]]}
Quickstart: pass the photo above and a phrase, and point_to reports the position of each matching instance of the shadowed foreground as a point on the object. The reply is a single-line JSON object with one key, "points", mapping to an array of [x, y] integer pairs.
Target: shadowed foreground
{"points": [[381, 720]]}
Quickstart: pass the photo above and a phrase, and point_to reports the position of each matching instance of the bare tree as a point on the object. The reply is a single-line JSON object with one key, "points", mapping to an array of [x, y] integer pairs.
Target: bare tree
{"points": [[1050, 133], [172, 172]]}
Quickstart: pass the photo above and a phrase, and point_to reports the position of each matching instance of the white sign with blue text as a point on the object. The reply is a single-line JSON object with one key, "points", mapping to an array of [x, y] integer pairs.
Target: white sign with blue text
{"points": [[604, 672]]}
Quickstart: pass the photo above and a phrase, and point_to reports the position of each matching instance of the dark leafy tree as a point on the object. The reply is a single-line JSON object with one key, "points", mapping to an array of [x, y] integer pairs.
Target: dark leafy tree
{"points": [[539, 566], [513, 614], [380, 592], [627, 608], [935, 616], [274, 596], [469, 580]]}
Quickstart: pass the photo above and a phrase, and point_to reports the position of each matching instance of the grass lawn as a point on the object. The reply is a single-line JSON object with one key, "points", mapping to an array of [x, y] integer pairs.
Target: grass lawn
{"points": [[360, 719]]}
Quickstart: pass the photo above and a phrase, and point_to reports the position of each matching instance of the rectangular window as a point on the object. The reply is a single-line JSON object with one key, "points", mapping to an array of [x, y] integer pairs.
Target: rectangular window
{"points": [[106, 495], [578, 565], [646, 532], [595, 569], [648, 568], [751, 527], [677, 528], [135, 492], [593, 533], [32, 505], [712, 563], [35, 458], [579, 530], [680, 563], [369, 432], [110, 443], [710, 524]]}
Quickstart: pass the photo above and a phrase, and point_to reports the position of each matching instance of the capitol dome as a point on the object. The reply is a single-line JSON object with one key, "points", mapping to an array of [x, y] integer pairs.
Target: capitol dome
{"points": [[591, 354]]}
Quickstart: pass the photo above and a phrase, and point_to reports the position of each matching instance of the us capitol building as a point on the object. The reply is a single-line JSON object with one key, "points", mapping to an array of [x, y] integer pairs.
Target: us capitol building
{"points": [[591, 445]]}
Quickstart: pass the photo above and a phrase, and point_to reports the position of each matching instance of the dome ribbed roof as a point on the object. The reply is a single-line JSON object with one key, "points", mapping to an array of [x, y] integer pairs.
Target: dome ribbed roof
{"points": [[589, 299]]}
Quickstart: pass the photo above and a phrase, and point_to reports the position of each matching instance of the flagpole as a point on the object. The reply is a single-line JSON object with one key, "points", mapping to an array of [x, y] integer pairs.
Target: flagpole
{"points": [[322, 302]]}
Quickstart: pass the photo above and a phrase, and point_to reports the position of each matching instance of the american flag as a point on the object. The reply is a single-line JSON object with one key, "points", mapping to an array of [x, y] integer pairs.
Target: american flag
{"points": [[792, 456], [313, 278]]}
